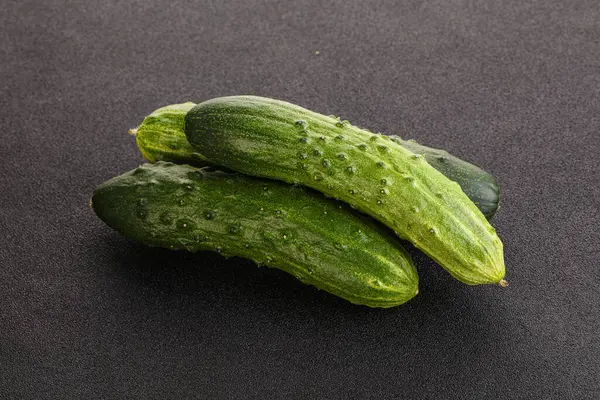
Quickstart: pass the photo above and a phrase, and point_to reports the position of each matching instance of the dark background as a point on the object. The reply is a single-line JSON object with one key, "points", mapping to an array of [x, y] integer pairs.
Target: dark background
{"points": [[513, 86]]}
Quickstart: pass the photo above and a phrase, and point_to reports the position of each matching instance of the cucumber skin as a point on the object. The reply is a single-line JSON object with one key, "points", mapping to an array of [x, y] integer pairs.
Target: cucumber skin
{"points": [[480, 186], [319, 240], [161, 137], [275, 139]]}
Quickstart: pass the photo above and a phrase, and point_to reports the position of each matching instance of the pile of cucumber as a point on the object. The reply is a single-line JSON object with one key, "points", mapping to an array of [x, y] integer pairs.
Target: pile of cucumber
{"points": [[309, 194]]}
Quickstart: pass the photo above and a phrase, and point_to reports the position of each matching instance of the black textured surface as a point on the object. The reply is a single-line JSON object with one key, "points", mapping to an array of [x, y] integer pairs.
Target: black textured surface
{"points": [[511, 85]]}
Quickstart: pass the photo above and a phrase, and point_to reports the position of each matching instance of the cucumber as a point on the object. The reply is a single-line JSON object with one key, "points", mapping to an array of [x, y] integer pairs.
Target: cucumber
{"points": [[275, 139], [320, 241], [480, 186], [161, 137]]}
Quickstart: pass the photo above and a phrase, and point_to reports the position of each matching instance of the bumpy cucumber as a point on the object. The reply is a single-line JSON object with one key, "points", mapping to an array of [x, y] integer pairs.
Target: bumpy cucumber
{"points": [[480, 186], [161, 137], [274, 139], [321, 241]]}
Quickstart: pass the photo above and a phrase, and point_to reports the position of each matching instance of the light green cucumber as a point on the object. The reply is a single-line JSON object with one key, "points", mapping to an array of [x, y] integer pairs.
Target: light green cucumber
{"points": [[161, 137], [275, 139], [320, 241]]}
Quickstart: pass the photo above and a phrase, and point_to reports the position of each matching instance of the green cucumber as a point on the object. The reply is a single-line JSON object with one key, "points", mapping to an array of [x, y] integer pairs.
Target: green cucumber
{"points": [[275, 139], [160, 136], [321, 241], [480, 186]]}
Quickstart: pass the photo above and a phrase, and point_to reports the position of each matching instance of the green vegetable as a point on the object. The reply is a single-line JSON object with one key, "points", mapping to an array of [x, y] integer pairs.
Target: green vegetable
{"points": [[161, 137], [275, 139], [480, 186], [320, 241]]}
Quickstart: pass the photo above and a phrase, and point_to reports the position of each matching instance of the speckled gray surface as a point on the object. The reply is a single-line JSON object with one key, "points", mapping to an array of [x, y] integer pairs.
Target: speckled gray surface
{"points": [[513, 86]]}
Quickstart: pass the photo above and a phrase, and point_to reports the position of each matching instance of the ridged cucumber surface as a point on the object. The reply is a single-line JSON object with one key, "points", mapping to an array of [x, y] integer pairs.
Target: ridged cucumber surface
{"points": [[320, 241], [275, 139], [161, 137], [480, 186]]}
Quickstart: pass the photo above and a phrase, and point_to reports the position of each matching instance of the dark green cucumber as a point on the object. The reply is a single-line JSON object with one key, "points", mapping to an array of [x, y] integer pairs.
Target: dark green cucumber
{"points": [[321, 241], [480, 186], [275, 139], [161, 137]]}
